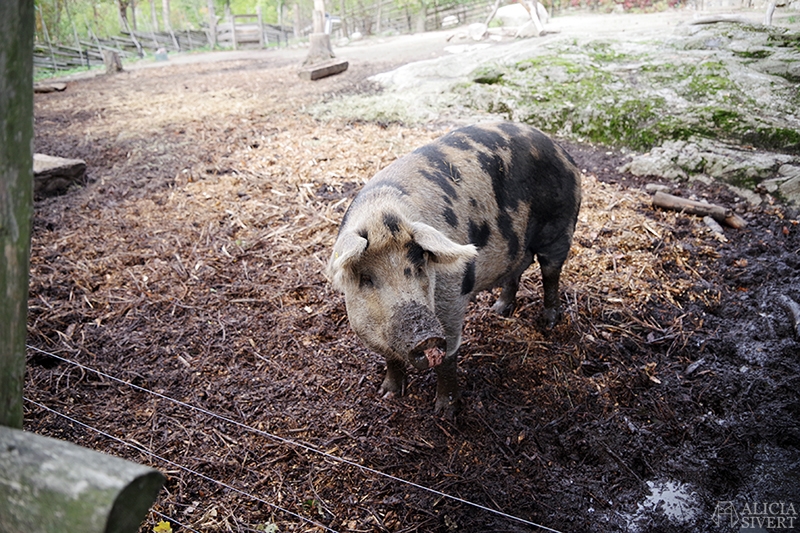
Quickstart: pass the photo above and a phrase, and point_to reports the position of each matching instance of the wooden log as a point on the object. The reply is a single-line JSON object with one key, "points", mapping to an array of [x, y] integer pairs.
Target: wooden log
{"points": [[48, 485], [720, 214], [322, 70]]}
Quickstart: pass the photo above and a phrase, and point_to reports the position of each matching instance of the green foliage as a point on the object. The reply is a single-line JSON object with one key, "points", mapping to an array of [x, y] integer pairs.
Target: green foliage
{"points": [[59, 17]]}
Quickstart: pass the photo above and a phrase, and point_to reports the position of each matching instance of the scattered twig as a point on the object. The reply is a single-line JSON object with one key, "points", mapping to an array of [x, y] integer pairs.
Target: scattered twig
{"points": [[720, 214]]}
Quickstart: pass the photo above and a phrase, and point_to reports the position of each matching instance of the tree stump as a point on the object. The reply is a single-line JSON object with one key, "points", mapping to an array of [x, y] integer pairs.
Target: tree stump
{"points": [[321, 61], [320, 49], [112, 61]]}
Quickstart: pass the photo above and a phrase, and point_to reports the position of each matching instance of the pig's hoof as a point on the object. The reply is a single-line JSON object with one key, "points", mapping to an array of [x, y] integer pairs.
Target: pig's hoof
{"points": [[447, 408], [504, 308], [391, 389], [551, 317]]}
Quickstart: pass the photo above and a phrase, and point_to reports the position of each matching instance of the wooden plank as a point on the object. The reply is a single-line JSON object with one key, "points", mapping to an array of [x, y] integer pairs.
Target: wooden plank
{"points": [[323, 70]]}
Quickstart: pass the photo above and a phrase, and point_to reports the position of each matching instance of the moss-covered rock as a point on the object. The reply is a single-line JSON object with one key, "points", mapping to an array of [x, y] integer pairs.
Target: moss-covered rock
{"points": [[728, 84]]}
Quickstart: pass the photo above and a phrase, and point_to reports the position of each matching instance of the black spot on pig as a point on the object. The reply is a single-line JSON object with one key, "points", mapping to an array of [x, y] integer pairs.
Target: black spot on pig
{"points": [[450, 217], [513, 130], [493, 141], [439, 171], [505, 224], [479, 235], [370, 186], [457, 141], [468, 283], [415, 254], [391, 221]]}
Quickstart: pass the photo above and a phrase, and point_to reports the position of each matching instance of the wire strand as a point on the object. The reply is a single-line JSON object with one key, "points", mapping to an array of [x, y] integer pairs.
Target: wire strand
{"points": [[184, 468], [300, 445], [170, 519]]}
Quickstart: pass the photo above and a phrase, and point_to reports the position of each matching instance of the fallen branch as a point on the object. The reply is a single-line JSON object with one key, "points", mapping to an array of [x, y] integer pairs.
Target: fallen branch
{"points": [[718, 213]]}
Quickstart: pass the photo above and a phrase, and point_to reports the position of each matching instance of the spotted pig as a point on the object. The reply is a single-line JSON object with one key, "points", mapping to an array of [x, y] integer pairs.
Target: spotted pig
{"points": [[463, 214]]}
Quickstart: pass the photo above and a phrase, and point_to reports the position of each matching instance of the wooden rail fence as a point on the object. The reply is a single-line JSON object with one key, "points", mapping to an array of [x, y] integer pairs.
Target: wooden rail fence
{"points": [[249, 31], [58, 57]]}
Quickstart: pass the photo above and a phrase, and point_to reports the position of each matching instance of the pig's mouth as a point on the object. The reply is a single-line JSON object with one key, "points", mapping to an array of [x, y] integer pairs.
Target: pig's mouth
{"points": [[428, 354]]}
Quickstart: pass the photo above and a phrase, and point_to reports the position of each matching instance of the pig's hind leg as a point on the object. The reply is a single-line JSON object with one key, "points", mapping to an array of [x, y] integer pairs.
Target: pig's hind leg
{"points": [[551, 274], [507, 301]]}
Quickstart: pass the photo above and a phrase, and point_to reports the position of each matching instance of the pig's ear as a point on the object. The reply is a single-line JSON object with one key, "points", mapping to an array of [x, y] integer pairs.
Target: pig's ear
{"points": [[444, 251], [347, 250]]}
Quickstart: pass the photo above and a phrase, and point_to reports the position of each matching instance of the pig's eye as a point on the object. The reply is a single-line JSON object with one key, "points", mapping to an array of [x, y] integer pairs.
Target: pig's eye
{"points": [[365, 281]]}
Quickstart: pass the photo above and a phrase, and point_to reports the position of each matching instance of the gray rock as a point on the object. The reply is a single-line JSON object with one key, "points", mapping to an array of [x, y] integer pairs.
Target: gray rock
{"points": [[53, 175]]}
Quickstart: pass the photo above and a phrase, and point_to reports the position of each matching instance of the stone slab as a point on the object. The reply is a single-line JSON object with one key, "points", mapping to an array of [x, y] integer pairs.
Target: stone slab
{"points": [[53, 175]]}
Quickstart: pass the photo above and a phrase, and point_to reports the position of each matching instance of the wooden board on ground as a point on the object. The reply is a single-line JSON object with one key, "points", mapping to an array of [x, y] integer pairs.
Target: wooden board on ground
{"points": [[323, 70]]}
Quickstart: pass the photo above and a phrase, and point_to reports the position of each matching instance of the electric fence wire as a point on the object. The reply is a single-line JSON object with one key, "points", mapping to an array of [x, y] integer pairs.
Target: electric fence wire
{"points": [[277, 438], [173, 521]]}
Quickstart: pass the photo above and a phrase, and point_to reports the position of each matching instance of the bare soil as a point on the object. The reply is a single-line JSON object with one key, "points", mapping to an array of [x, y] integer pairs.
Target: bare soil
{"points": [[190, 263]]}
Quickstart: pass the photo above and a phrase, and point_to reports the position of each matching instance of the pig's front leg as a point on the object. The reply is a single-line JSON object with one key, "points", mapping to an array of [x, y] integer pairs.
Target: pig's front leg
{"points": [[394, 384], [448, 395]]}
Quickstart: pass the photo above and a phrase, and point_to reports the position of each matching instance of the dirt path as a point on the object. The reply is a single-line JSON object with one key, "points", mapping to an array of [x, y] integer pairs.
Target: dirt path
{"points": [[189, 264]]}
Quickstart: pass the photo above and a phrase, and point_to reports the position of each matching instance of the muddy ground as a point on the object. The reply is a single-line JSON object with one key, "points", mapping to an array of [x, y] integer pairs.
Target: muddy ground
{"points": [[189, 264]]}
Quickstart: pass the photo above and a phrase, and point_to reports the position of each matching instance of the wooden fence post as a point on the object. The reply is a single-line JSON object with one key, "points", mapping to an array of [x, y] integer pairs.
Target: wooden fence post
{"points": [[46, 485], [16, 199], [261, 43], [212, 25]]}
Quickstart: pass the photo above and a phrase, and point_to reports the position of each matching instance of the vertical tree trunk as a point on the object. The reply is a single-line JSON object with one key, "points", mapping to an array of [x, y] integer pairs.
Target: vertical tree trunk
{"points": [[422, 17], [16, 198], [165, 15], [123, 13], [212, 24], [133, 15], [319, 16], [296, 20], [343, 16], [153, 16]]}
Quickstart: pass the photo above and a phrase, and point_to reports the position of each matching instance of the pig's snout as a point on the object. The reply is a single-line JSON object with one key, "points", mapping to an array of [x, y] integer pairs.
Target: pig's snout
{"points": [[428, 354], [418, 335]]}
